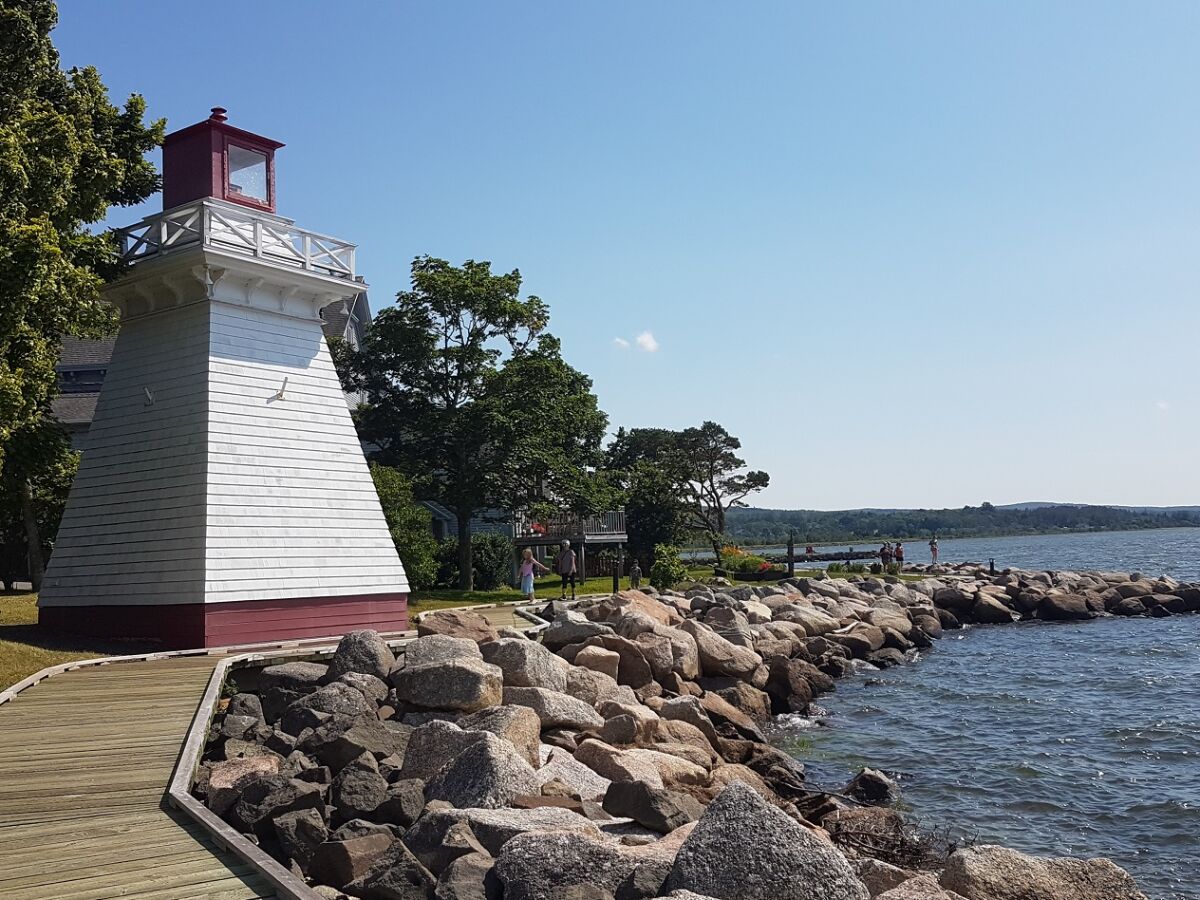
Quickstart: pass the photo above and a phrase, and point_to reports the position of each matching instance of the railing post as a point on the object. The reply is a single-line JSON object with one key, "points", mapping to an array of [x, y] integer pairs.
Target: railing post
{"points": [[258, 247], [307, 243]]}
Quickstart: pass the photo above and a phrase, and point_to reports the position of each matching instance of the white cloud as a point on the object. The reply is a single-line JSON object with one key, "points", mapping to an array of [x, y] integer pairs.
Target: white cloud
{"points": [[646, 341], [622, 343], [1162, 405]]}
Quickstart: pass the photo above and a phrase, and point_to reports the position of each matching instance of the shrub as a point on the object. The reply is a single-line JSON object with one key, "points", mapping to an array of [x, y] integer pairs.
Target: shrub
{"points": [[493, 556], [836, 567], [876, 568], [408, 523], [735, 559], [668, 570]]}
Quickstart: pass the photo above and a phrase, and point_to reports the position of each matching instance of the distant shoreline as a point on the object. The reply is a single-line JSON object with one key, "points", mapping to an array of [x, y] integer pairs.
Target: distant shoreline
{"points": [[944, 536]]}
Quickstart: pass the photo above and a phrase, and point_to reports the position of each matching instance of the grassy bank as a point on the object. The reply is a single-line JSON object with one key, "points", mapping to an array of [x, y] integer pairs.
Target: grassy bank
{"points": [[25, 647], [547, 588]]}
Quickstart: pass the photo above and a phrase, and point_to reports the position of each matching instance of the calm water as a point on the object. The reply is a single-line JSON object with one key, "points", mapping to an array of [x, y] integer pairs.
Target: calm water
{"points": [[1161, 551], [1169, 551], [1075, 739]]}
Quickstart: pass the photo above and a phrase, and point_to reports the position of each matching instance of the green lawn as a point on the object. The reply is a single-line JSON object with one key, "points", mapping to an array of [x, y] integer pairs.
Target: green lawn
{"points": [[25, 647], [547, 588]]}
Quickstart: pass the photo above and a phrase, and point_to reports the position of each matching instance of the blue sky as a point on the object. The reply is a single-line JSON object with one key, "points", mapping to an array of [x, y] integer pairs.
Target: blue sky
{"points": [[916, 254]]}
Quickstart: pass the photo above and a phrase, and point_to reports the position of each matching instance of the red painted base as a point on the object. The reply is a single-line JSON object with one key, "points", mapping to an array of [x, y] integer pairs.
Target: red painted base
{"points": [[185, 626]]}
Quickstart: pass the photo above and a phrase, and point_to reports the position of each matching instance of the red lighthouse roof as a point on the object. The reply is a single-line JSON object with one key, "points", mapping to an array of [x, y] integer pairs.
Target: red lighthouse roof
{"points": [[214, 159]]}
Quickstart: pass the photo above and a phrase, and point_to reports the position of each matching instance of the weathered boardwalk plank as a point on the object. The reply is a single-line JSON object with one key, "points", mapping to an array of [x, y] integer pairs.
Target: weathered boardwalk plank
{"points": [[85, 760]]}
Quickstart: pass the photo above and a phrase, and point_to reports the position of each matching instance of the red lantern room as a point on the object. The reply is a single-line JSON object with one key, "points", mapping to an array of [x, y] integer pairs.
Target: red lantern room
{"points": [[213, 159]]}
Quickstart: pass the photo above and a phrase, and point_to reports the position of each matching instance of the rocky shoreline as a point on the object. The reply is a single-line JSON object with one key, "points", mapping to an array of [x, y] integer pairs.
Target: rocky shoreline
{"points": [[622, 755]]}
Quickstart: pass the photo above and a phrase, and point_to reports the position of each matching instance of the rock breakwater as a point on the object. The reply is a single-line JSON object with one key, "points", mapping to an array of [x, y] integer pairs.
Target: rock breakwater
{"points": [[623, 756]]}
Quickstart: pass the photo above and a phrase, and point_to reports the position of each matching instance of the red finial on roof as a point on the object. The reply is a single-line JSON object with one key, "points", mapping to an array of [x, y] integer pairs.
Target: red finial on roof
{"points": [[218, 114]]}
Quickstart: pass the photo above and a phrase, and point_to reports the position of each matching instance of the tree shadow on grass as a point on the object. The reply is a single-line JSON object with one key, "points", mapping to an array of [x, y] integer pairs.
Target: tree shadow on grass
{"points": [[36, 636], [18, 624]]}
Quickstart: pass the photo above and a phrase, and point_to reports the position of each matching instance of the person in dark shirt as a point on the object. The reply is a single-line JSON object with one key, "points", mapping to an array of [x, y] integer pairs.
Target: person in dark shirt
{"points": [[564, 565]]}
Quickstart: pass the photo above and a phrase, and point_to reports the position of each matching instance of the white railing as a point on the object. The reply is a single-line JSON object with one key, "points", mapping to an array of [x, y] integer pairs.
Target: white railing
{"points": [[223, 225]]}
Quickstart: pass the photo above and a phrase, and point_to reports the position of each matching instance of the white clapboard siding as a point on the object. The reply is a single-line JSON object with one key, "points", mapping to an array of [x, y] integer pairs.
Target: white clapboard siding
{"points": [[220, 490], [314, 518], [154, 544]]}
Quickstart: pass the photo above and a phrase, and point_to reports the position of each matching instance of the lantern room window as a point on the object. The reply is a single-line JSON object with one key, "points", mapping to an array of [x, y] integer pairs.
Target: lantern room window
{"points": [[248, 175]]}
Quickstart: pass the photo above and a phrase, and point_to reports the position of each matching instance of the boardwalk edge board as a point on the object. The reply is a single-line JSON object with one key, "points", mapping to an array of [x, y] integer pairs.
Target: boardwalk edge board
{"points": [[178, 794], [288, 886]]}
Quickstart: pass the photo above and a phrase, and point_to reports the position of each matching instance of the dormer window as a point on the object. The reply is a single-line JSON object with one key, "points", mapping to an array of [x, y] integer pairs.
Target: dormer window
{"points": [[248, 175]]}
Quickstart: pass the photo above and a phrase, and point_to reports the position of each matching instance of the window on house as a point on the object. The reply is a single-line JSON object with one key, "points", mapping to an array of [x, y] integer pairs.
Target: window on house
{"points": [[81, 381]]}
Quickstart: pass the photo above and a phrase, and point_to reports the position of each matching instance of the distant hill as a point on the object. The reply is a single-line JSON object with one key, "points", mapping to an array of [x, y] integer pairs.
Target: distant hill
{"points": [[770, 526], [1149, 510]]}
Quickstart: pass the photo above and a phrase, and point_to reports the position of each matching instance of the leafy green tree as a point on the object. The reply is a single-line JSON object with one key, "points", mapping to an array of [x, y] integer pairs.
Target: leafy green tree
{"points": [[410, 525], [676, 481], [654, 511], [645, 463], [635, 445], [493, 556], [33, 493], [469, 396], [716, 480], [66, 155]]}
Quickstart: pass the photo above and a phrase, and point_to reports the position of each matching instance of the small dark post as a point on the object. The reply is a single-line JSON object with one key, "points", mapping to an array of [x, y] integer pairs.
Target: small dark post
{"points": [[791, 555], [620, 567]]}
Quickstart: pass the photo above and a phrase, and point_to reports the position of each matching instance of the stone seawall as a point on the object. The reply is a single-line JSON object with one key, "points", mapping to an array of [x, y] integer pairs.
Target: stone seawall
{"points": [[622, 756]]}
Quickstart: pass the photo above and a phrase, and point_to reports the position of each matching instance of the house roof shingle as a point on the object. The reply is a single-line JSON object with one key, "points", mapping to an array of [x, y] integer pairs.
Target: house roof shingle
{"points": [[74, 409], [78, 353]]}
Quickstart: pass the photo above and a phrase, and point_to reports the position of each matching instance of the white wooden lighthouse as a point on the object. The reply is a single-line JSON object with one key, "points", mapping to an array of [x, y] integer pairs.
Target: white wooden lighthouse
{"points": [[223, 497]]}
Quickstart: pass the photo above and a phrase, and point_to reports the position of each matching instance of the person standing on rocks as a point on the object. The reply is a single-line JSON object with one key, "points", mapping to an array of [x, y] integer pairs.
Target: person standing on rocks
{"points": [[933, 547], [899, 554], [564, 565], [885, 554], [528, 566]]}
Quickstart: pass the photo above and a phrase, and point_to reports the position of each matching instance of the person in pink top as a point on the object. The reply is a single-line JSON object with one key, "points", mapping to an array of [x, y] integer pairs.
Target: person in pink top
{"points": [[528, 565]]}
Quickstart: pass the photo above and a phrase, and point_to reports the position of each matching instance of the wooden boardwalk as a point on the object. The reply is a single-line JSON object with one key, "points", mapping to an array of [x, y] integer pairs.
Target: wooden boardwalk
{"points": [[85, 761], [86, 758]]}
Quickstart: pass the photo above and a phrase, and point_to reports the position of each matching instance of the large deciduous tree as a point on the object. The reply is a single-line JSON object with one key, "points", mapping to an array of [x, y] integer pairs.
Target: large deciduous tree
{"points": [[469, 396], [717, 481], [66, 155], [34, 485], [676, 481], [647, 465]]}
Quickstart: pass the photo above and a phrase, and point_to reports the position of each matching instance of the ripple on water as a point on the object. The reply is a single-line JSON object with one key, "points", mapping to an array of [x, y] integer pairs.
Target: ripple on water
{"points": [[1079, 738]]}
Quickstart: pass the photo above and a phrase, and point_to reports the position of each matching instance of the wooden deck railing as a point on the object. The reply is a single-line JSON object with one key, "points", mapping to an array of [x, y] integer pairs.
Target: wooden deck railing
{"points": [[229, 227], [612, 522]]}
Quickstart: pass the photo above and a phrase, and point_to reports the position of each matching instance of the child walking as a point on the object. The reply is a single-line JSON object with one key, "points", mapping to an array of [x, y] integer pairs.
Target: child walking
{"points": [[528, 565]]}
